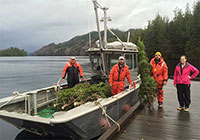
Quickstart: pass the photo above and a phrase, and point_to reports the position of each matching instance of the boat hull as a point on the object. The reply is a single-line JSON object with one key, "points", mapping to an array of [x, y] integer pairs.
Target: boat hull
{"points": [[87, 126]]}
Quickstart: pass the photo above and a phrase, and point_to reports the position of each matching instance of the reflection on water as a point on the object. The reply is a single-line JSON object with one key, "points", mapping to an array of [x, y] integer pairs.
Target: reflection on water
{"points": [[29, 73], [24, 135]]}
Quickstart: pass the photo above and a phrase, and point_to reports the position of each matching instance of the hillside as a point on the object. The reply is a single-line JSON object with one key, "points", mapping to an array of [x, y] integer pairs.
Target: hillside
{"points": [[173, 38], [13, 51], [77, 45]]}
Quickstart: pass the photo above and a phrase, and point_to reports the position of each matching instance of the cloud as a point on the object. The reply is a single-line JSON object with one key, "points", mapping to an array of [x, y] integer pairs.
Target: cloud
{"points": [[31, 24]]}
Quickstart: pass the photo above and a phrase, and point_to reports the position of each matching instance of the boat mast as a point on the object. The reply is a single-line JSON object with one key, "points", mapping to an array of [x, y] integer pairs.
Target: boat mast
{"points": [[128, 38], [105, 27], [96, 5], [105, 19], [102, 46]]}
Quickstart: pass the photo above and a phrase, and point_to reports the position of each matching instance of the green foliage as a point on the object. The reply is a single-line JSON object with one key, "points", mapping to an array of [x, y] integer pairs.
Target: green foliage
{"points": [[82, 93], [192, 46], [173, 38], [73, 97], [148, 88], [180, 36], [13, 52], [156, 37]]}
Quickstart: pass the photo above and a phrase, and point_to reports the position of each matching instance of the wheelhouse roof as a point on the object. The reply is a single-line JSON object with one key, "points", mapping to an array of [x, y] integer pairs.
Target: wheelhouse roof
{"points": [[116, 47]]}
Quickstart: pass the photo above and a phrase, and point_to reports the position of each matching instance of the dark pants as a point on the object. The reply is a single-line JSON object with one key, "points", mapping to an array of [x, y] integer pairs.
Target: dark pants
{"points": [[72, 83], [183, 92]]}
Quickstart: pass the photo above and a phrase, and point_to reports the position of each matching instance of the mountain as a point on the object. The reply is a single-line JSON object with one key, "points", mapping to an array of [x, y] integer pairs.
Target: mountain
{"points": [[173, 38], [79, 44], [75, 46]]}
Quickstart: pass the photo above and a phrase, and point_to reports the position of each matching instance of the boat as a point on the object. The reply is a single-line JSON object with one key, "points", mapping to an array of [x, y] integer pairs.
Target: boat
{"points": [[89, 120]]}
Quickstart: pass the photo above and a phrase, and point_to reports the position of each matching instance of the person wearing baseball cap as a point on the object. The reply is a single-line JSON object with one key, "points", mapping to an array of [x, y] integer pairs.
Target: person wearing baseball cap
{"points": [[73, 69], [160, 74], [118, 74]]}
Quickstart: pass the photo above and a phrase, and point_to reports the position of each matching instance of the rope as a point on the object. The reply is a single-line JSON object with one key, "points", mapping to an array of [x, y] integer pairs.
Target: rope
{"points": [[56, 87], [8, 101], [16, 93], [107, 116]]}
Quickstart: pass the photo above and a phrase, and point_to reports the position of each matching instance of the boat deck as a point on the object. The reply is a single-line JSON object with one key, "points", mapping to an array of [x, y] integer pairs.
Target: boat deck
{"points": [[166, 123]]}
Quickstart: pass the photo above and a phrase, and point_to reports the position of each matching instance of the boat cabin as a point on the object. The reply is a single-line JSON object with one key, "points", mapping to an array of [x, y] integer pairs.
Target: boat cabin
{"points": [[111, 55]]}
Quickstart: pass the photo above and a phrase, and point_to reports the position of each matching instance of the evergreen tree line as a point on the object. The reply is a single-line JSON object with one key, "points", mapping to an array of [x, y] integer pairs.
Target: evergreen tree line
{"points": [[12, 51], [173, 38]]}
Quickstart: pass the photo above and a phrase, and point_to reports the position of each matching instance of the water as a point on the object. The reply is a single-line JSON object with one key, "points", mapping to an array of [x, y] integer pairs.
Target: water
{"points": [[29, 73]]}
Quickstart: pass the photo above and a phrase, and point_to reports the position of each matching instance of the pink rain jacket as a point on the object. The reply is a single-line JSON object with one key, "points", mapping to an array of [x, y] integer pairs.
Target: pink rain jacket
{"points": [[186, 71]]}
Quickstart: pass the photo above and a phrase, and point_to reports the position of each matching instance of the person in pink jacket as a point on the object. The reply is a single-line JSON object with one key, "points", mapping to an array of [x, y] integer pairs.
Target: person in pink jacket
{"points": [[182, 77]]}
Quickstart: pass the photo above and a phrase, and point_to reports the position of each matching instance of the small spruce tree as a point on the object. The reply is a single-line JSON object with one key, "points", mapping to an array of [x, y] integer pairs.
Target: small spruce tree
{"points": [[148, 88]]}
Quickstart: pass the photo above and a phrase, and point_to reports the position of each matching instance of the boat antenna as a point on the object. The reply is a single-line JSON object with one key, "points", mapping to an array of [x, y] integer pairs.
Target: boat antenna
{"points": [[89, 33], [129, 29]]}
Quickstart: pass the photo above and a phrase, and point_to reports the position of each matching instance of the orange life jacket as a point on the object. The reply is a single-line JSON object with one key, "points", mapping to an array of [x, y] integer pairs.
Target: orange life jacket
{"points": [[159, 71], [119, 75]]}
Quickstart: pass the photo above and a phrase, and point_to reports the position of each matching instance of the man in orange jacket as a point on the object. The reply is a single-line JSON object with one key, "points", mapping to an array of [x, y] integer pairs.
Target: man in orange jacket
{"points": [[72, 69], [160, 74], [118, 74]]}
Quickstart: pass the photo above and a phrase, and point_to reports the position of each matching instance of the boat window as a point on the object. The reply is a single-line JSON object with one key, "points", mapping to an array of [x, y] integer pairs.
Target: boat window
{"points": [[135, 61], [95, 61], [112, 60], [129, 60]]}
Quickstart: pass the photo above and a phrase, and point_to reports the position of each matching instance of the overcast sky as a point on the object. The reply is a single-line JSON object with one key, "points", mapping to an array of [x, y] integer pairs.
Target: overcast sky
{"points": [[31, 24]]}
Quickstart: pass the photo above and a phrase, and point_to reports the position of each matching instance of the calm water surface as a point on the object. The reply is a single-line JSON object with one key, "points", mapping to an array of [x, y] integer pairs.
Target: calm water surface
{"points": [[29, 73]]}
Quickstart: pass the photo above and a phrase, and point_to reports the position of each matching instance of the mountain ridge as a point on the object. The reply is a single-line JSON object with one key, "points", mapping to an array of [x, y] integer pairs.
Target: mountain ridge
{"points": [[75, 46], [78, 45]]}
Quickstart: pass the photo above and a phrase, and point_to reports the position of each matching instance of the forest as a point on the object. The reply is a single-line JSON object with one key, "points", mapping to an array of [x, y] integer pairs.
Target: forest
{"points": [[13, 51], [173, 38]]}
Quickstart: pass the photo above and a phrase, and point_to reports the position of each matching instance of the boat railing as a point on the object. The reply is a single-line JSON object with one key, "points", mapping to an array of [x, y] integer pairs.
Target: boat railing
{"points": [[30, 102]]}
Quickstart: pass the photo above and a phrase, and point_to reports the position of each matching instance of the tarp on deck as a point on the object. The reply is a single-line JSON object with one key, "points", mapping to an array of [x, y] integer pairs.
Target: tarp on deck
{"points": [[118, 45]]}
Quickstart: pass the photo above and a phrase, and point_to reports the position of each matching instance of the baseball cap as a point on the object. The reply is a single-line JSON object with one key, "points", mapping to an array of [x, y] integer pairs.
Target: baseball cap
{"points": [[73, 58], [121, 58]]}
